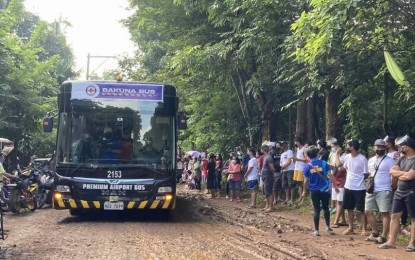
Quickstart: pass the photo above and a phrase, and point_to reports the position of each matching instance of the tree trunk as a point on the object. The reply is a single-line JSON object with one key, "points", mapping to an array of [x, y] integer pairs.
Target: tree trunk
{"points": [[311, 123], [301, 122], [332, 107]]}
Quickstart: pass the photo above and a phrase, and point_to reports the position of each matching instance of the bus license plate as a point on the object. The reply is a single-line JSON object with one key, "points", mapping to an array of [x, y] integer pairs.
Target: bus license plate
{"points": [[113, 205]]}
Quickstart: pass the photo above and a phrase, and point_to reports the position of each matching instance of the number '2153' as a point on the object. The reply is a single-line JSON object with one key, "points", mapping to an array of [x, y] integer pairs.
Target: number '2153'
{"points": [[114, 174]]}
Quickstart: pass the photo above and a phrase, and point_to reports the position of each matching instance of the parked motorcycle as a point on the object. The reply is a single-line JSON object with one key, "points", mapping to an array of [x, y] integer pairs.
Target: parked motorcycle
{"points": [[5, 195], [23, 192], [44, 194]]}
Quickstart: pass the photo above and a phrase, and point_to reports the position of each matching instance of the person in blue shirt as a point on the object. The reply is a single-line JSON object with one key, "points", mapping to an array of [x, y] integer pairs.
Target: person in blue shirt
{"points": [[318, 179]]}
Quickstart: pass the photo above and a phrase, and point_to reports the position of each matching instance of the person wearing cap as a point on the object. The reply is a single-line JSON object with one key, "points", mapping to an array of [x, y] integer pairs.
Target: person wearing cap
{"points": [[317, 178], [287, 169], [336, 161], [404, 196], [355, 187], [380, 200], [300, 162], [267, 175], [393, 153]]}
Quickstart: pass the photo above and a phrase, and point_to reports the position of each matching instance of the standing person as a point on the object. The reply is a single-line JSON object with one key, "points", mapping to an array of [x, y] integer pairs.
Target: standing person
{"points": [[355, 188], [218, 173], [179, 168], [287, 169], [300, 161], [404, 196], [276, 156], [393, 153], [203, 166], [234, 178], [323, 153], [267, 173], [381, 198], [211, 178], [225, 172], [317, 177], [336, 160], [197, 172], [251, 176]]}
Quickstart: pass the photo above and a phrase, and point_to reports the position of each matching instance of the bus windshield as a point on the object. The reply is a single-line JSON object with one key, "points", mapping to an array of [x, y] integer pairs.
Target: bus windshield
{"points": [[123, 132]]}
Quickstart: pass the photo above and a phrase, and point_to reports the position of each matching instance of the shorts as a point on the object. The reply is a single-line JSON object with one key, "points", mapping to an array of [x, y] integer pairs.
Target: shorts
{"points": [[268, 184], [354, 199], [253, 185], [337, 196], [380, 201], [277, 186], [298, 175], [288, 180], [404, 199], [235, 185]]}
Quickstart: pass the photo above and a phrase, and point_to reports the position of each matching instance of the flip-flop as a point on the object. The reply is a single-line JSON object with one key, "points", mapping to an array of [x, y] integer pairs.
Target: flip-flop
{"points": [[410, 248], [343, 224], [381, 240], [336, 225], [386, 246], [348, 232]]}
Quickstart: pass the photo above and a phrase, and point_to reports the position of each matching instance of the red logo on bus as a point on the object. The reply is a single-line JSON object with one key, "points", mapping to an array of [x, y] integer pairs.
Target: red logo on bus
{"points": [[91, 90]]}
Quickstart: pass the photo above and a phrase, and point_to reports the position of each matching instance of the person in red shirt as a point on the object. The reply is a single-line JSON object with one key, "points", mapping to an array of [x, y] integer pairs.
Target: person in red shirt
{"points": [[203, 166], [234, 177]]}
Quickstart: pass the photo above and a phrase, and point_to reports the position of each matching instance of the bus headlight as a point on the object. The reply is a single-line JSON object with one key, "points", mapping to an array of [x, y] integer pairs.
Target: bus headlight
{"points": [[63, 188], [165, 189]]}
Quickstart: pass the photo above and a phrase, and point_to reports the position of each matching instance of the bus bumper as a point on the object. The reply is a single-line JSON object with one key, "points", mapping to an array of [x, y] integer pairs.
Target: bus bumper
{"points": [[167, 203]]}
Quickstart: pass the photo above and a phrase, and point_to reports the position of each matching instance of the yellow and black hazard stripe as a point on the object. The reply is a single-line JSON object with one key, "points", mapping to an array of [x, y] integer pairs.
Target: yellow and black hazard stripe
{"points": [[83, 204]]}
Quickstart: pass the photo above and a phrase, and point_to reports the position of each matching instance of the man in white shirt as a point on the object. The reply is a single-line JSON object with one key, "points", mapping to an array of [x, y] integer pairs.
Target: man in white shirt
{"points": [[251, 176], [381, 199], [355, 187], [287, 168], [300, 162]]}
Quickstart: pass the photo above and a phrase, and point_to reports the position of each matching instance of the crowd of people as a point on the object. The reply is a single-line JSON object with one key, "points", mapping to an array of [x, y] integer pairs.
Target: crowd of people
{"points": [[382, 186]]}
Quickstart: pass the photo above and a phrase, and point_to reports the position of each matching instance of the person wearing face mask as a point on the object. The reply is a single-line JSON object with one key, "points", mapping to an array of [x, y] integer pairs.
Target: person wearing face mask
{"points": [[354, 187], [404, 196], [336, 161], [380, 200]]}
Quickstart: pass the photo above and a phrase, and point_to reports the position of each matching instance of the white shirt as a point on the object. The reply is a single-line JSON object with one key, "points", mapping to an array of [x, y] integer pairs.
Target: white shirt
{"points": [[253, 175], [179, 165], [299, 166], [383, 176], [285, 156], [356, 168]]}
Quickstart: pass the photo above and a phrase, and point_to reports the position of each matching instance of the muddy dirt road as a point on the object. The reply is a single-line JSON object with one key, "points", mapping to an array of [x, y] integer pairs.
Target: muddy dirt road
{"points": [[199, 229]]}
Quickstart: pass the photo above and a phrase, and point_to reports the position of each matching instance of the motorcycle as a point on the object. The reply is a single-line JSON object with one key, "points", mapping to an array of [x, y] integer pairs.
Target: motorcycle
{"points": [[5, 195], [23, 192], [44, 194]]}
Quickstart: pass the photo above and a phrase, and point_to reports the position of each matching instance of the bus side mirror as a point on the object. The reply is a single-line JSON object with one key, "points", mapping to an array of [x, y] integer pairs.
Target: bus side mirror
{"points": [[182, 121], [48, 123]]}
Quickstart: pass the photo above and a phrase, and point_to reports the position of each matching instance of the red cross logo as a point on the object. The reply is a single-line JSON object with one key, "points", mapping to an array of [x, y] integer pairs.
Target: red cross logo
{"points": [[91, 90]]}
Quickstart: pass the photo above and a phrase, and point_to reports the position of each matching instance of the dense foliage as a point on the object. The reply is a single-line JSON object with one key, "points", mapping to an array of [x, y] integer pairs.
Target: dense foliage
{"points": [[34, 60], [250, 70]]}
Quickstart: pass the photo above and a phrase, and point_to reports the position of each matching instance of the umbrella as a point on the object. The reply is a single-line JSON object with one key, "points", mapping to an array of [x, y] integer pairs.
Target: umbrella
{"points": [[193, 153]]}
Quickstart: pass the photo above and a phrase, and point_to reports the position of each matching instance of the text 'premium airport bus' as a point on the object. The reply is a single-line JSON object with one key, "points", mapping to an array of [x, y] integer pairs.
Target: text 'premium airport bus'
{"points": [[116, 146]]}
